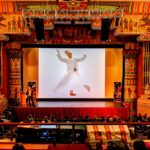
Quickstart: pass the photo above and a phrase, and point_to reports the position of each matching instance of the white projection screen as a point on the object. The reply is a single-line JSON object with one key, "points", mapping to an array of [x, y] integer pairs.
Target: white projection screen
{"points": [[80, 76]]}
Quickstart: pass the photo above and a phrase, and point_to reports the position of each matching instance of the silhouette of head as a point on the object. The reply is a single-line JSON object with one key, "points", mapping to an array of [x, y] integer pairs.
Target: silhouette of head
{"points": [[18, 146], [139, 144], [117, 145]]}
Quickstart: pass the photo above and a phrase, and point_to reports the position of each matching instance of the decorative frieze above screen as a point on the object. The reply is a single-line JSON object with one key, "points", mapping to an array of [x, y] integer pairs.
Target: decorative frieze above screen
{"points": [[133, 25], [126, 18], [13, 24]]}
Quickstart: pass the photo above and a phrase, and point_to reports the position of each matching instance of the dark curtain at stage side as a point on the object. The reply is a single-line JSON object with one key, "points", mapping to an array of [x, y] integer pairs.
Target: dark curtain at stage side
{"points": [[105, 29], [39, 28]]}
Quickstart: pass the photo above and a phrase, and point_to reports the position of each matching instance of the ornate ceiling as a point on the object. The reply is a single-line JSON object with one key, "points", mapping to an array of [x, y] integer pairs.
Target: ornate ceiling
{"points": [[135, 19], [129, 6]]}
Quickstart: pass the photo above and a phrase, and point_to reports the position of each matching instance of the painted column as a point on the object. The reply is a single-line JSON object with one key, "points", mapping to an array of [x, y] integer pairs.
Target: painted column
{"points": [[14, 55], [130, 54]]}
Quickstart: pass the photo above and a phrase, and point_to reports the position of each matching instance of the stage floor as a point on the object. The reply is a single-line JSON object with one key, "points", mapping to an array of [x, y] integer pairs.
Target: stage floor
{"points": [[78, 104]]}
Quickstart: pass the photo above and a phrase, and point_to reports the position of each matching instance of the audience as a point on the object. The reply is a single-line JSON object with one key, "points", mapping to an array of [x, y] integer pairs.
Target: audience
{"points": [[46, 119], [66, 119], [18, 146], [108, 118], [10, 116], [141, 131], [99, 146], [30, 118], [80, 119], [53, 119], [139, 144], [117, 145], [102, 119], [1, 118], [59, 119], [87, 118], [95, 119], [74, 119], [36, 120]]}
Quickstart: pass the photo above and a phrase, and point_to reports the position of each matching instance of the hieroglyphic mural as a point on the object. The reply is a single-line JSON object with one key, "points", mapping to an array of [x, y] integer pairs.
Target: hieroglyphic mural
{"points": [[133, 24], [13, 24]]}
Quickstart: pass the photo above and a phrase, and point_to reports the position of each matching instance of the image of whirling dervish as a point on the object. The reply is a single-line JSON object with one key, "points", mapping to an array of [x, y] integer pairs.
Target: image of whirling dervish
{"points": [[72, 83]]}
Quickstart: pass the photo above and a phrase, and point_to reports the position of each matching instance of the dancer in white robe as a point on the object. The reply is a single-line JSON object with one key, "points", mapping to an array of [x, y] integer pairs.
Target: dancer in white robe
{"points": [[72, 81]]}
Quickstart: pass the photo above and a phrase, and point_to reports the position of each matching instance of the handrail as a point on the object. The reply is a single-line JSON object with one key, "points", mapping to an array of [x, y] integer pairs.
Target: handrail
{"points": [[75, 123]]}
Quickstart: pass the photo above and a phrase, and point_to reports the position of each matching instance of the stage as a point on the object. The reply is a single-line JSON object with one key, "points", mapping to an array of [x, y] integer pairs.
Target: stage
{"points": [[74, 103], [71, 109]]}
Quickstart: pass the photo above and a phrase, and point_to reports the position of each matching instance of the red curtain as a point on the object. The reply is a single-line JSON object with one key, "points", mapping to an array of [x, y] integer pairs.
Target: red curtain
{"points": [[23, 113]]}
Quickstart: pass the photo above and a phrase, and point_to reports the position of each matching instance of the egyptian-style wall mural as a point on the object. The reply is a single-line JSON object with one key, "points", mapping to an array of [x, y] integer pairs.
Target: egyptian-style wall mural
{"points": [[12, 24], [126, 18], [127, 25], [133, 24]]}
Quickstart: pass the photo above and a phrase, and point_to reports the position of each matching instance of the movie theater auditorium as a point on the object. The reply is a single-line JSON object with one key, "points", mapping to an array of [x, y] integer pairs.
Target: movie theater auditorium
{"points": [[74, 74]]}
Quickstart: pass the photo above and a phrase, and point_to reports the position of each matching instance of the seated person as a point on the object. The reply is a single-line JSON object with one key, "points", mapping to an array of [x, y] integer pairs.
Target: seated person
{"points": [[115, 119], [30, 118], [139, 144], [36, 120], [66, 119], [139, 117], [102, 119], [46, 119], [80, 119], [108, 119], [74, 119], [95, 119], [117, 145], [99, 146], [59, 119], [87, 118], [1, 118], [10, 116], [18, 146], [53, 118]]}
